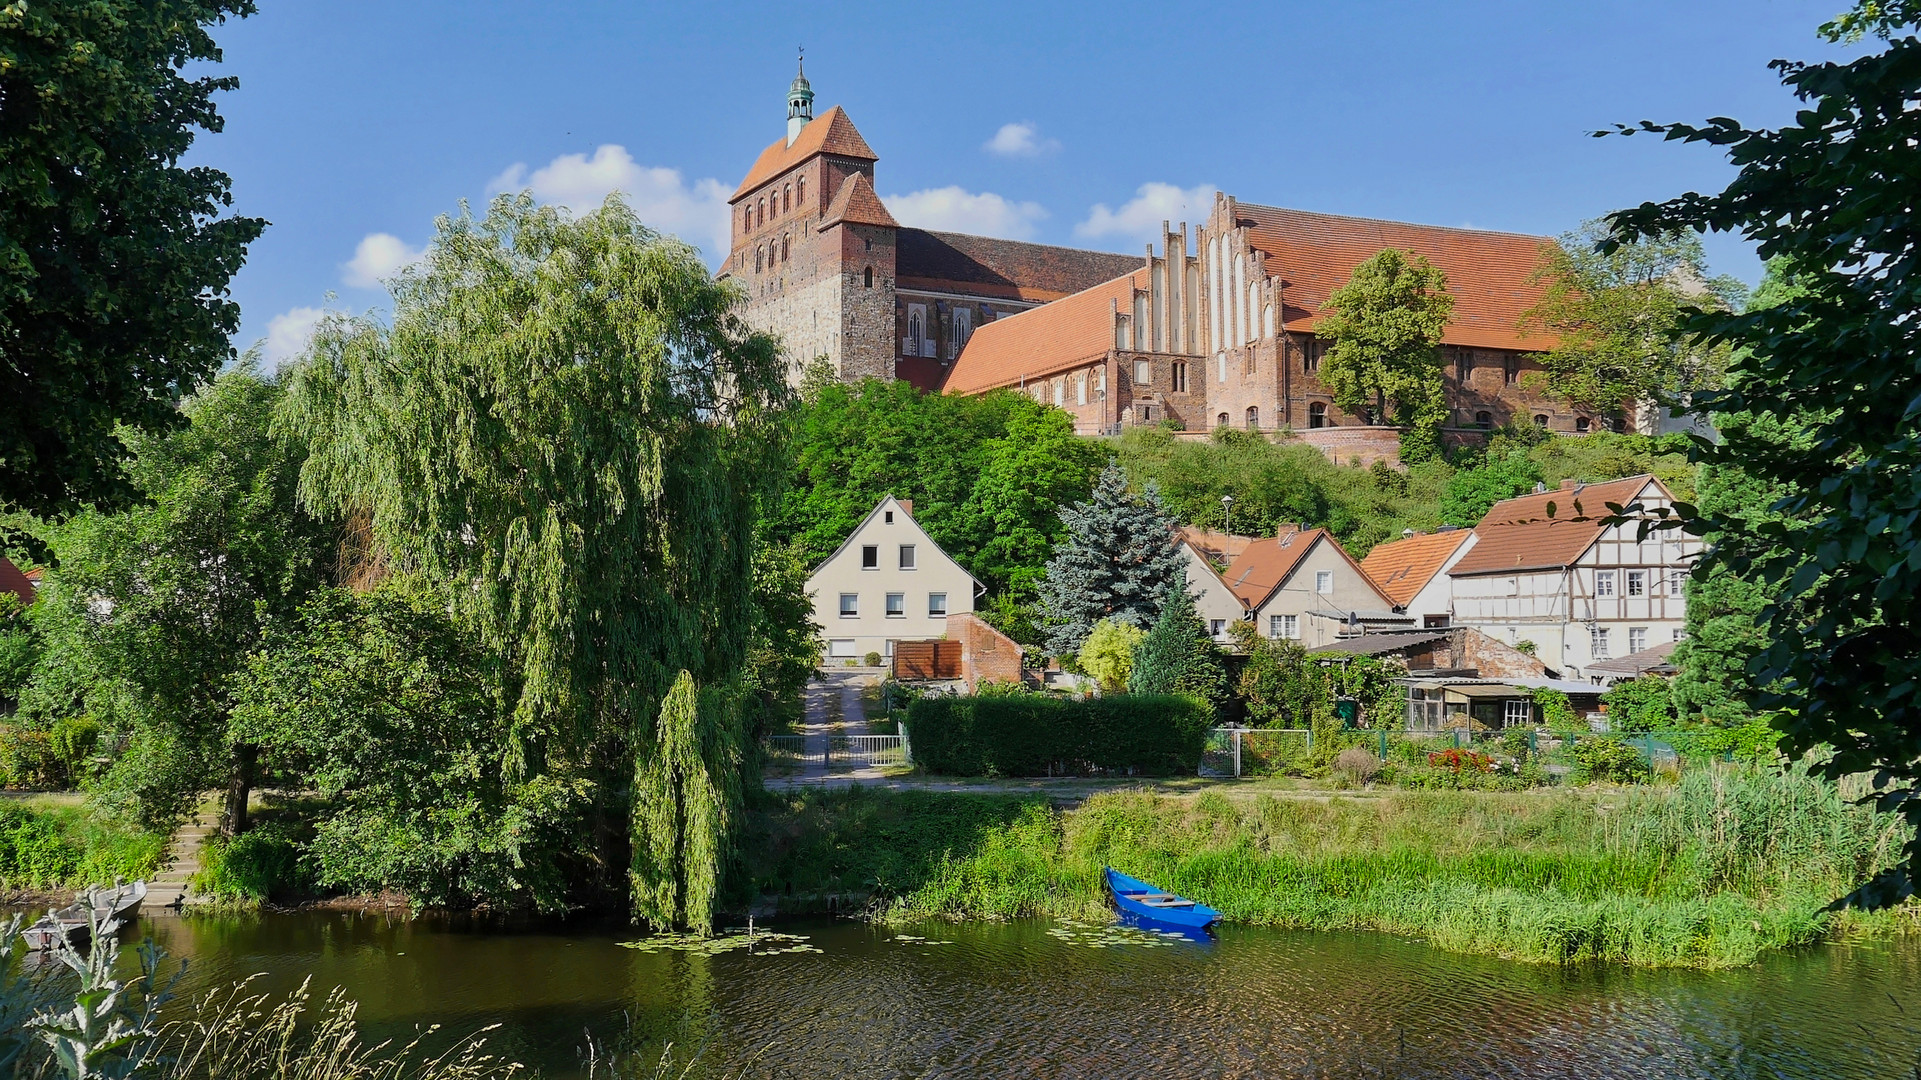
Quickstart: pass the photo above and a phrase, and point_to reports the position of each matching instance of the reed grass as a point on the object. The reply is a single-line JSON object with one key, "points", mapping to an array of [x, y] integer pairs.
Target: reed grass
{"points": [[1710, 872]]}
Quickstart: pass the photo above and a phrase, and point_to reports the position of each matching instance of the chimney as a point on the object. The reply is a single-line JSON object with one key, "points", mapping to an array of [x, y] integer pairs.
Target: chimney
{"points": [[906, 505], [1539, 487]]}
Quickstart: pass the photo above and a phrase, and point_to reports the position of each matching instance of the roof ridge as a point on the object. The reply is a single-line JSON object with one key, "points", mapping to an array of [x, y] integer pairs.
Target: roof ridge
{"points": [[1027, 243], [1391, 221]]}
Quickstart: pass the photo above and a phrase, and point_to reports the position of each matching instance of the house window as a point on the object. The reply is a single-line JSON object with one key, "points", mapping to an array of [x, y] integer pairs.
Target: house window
{"points": [[1680, 634], [1463, 365], [1512, 370], [1637, 583], [841, 648], [1540, 421], [1253, 418], [1603, 583], [1178, 376], [937, 605], [800, 191], [1317, 414], [849, 605], [963, 326], [907, 556], [896, 605], [746, 218], [1519, 712], [867, 278], [760, 212], [870, 557], [783, 249], [1677, 582], [1143, 373], [1221, 420], [1598, 643], [787, 198], [1216, 627], [1483, 420], [1287, 627], [889, 516], [1324, 582], [760, 256], [1637, 639]]}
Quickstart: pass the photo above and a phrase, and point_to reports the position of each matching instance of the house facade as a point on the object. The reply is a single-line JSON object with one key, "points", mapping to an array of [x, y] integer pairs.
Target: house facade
{"points": [[1545, 573], [1300, 586], [1412, 573], [887, 582]]}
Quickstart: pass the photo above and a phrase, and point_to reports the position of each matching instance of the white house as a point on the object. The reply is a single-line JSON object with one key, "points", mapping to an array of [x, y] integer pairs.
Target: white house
{"points": [[1302, 586], [888, 582], [1578, 591], [1214, 602]]}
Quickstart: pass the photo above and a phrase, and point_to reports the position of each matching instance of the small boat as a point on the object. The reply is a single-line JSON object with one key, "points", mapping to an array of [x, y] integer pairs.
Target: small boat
{"points": [[97, 906], [1143, 903]]}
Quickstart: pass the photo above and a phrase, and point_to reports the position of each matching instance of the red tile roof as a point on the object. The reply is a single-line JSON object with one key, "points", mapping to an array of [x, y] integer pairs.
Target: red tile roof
{"points": [[15, 582], [1044, 341], [856, 204], [988, 266], [1488, 272], [1403, 568], [1263, 565], [1520, 534], [830, 133], [1215, 545]]}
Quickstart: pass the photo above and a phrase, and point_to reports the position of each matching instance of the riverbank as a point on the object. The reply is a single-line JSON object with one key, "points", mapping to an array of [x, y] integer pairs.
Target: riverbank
{"points": [[1710, 872]]}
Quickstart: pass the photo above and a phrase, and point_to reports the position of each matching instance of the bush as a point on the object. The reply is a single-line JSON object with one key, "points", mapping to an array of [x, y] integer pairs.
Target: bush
{"points": [[1606, 761], [1357, 764], [1643, 704], [1036, 735], [255, 866], [872, 659]]}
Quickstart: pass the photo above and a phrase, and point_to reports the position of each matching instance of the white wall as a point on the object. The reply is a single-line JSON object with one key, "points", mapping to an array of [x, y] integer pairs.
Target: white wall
{"points": [[872, 629], [1350, 591]]}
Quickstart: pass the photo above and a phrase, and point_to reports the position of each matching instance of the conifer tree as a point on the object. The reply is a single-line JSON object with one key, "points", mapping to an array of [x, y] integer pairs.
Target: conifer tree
{"points": [[1117, 557], [1177, 656]]}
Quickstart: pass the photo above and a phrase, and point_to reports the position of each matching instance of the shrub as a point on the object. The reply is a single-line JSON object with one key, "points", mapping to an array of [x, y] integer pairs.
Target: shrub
{"points": [[1606, 761], [28, 760], [1556, 710], [872, 659], [1108, 655], [1035, 735], [254, 866], [1642, 704], [1357, 764]]}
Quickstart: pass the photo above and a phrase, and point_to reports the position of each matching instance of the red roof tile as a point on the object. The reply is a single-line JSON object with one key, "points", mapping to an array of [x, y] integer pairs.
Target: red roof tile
{"points": [[830, 133], [989, 266], [1488, 272], [1263, 565], [15, 582], [1520, 534], [856, 204], [1215, 545], [1044, 341], [1403, 568]]}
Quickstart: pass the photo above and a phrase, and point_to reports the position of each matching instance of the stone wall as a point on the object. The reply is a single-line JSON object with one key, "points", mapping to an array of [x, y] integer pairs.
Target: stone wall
{"points": [[1494, 659]]}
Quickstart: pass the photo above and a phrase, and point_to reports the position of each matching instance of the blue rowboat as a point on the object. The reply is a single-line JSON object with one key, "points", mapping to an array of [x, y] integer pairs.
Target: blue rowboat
{"points": [[1142, 903]]}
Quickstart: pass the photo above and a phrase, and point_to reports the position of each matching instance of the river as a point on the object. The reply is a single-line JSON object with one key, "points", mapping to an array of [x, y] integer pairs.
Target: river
{"points": [[1045, 1000]]}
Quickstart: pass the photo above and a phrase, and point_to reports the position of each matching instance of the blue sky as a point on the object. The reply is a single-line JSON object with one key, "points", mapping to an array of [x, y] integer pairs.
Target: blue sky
{"points": [[356, 123]]}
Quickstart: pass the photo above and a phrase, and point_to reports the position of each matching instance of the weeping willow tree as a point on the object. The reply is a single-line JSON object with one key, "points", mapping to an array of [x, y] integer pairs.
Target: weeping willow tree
{"points": [[687, 799], [568, 426]]}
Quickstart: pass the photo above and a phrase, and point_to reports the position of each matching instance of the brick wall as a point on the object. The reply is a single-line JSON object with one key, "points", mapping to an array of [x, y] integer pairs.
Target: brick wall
{"points": [[986, 653], [1345, 444]]}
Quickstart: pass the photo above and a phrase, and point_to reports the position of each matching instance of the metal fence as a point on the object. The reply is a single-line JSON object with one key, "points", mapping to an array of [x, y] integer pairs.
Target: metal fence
{"points": [[866, 749], [1559, 751], [1254, 751]]}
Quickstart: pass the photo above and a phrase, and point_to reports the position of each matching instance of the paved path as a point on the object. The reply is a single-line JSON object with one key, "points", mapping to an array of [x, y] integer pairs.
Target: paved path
{"points": [[833, 688]]}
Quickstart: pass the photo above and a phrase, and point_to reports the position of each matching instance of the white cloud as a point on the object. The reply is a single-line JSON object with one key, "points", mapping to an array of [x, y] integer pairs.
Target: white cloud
{"points": [[696, 212], [289, 332], [1142, 215], [378, 257], [1020, 140], [954, 209]]}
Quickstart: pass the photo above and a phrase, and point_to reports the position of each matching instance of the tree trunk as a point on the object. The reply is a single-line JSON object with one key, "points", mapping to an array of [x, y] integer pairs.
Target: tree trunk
{"points": [[240, 788]]}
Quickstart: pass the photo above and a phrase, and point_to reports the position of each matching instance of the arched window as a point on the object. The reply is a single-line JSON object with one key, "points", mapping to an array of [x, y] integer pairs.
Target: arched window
{"points": [[1221, 420], [913, 336], [1253, 418], [787, 198], [1540, 421], [760, 255], [760, 215], [747, 217], [1581, 424], [867, 278], [1317, 414], [783, 249], [1483, 420], [800, 191]]}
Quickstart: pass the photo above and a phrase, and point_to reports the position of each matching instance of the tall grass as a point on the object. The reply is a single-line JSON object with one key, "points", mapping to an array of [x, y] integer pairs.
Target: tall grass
{"points": [[44, 847], [1711, 872]]}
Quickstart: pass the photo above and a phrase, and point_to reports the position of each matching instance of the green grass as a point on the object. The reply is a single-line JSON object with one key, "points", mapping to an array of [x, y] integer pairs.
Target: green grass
{"points": [[49, 844], [1710, 872]]}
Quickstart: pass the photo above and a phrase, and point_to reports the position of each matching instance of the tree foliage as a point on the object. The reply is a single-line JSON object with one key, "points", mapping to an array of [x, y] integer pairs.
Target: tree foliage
{"points": [[1383, 330], [571, 431], [1833, 195], [1616, 318], [1472, 492], [1119, 551], [114, 259], [687, 803], [1177, 656], [1107, 656], [1280, 686]]}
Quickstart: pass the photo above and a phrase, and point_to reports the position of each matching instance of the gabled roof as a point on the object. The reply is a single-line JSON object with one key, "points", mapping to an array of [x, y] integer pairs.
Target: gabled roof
{"points": [[856, 204], [905, 506], [989, 266], [1520, 533], [1267, 564], [1215, 545], [1045, 340], [15, 582], [1488, 272], [1402, 568], [830, 133]]}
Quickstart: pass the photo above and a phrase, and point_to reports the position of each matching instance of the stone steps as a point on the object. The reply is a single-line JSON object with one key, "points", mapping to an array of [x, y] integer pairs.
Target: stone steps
{"points": [[168, 890]]}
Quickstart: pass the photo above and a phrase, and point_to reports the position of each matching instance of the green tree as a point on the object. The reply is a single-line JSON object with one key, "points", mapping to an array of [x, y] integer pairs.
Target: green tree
{"points": [[19, 650], [1616, 318], [114, 259], [151, 610], [1473, 492], [1118, 552], [1832, 194], [1279, 684], [687, 803], [1012, 514], [785, 649], [570, 430], [392, 712], [1177, 656], [1383, 330], [1107, 656], [1643, 704]]}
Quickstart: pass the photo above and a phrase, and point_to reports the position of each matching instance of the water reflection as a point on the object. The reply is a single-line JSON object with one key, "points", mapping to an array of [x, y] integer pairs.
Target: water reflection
{"points": [[1017, 1000]]}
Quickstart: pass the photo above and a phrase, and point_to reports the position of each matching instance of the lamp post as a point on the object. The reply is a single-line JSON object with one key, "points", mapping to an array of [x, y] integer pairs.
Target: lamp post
{"points": [[1227, 512]]}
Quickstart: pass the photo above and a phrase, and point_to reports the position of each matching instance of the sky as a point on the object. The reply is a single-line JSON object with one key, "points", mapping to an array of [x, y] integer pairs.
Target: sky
{"points": [[356, 124]]}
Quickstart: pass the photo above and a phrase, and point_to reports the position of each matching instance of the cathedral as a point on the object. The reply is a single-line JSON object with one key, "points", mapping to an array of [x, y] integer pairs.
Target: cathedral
{"points": [[1196, 333]]}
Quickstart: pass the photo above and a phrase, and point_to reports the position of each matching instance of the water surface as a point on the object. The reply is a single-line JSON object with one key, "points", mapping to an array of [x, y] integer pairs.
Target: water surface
{"points": [[1015, 1000]]}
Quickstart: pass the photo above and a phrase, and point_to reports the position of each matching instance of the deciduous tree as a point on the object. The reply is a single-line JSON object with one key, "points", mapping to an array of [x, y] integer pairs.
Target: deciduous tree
{"points": [[1383, 330]]}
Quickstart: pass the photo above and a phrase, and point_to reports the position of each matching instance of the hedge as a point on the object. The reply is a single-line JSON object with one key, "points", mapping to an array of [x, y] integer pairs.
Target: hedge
{"points": [[1034, 735]]}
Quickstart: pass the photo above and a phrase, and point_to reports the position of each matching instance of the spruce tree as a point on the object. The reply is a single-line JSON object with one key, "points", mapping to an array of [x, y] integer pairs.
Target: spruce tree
{"points": [[1118, 555], [1177, 656]]}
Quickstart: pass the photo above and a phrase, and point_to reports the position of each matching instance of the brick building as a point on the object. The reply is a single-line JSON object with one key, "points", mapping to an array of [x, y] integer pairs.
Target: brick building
{"points": [[827, 267]]}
